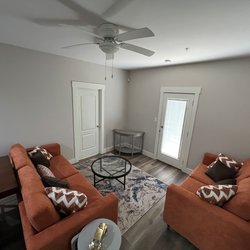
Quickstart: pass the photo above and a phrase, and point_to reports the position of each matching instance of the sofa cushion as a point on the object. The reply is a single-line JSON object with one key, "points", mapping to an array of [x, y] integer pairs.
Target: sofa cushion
{"points": [[49, 181], [240, 203], [219, 171], [61, 168], [191, 184], [44, 171], [244, 172], [199, 174], [39, 158], [82, 184], [19, 156], [42, 150], [217, 194], [67, 201]]}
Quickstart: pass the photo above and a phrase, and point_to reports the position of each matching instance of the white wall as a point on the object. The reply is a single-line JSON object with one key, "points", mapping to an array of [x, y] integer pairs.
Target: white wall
{"points": [[223, 115], [36, 98]]}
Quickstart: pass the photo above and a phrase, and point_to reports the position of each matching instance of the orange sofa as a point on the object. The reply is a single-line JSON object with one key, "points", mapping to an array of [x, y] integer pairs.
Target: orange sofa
{"points": [[43, 228], [210, 227]]}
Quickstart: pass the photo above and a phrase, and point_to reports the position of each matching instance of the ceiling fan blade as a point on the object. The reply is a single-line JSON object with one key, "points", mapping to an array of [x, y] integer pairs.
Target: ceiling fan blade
{"points": [[76, 45], [137, 49], [56, 22], [85, 16], [134, 34], [109, 56], [116, 8]]}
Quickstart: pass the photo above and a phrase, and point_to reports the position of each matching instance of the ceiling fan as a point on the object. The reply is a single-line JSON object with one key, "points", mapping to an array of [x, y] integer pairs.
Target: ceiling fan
{"points": [[110, 40]]}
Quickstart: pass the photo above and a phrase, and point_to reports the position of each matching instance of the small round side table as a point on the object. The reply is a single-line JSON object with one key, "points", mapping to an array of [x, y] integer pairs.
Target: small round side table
{"points": [[111, 240]]}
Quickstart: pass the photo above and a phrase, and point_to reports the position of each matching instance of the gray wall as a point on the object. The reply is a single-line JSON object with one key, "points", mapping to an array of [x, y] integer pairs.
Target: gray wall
{"points": [[223, 115], [36, 98]]}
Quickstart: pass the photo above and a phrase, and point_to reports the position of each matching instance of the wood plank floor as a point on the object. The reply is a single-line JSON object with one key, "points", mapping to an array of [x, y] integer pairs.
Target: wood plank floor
{"points": [[149, 233]]}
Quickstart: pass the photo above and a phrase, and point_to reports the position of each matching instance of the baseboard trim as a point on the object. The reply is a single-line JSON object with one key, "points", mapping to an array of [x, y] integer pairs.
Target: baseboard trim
{"points": [[187, 170], [147, 153], [73, 161], [108, 149]]}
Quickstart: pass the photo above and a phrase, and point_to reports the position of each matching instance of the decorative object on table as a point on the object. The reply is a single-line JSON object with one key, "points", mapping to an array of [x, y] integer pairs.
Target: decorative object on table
{"points": [[96, 243], [128, 142], [111, 167], [142, 192], [111, 240]]}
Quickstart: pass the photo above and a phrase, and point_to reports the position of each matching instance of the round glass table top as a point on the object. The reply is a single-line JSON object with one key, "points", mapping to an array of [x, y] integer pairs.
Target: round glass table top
{"points": [[111, 166]]}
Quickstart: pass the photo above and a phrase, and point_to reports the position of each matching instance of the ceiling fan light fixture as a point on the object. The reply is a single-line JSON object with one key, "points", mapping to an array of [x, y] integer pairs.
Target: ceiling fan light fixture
{"points": [[109, 47]]}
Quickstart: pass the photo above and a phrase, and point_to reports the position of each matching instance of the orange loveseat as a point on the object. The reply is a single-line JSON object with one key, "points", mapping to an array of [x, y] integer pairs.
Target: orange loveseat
{"points": [[43, 228], [210, 227]]}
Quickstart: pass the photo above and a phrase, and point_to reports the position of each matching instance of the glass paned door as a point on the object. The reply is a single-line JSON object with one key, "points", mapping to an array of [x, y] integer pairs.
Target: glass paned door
{"points": [[175, 125]]}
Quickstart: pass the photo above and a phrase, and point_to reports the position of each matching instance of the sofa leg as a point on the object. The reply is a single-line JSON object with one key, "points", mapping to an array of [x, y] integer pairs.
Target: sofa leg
{"points": [[168, 227]]}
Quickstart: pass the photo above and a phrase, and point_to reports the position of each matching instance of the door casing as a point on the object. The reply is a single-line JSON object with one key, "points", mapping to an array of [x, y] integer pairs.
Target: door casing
{"points": [[178, 90]]}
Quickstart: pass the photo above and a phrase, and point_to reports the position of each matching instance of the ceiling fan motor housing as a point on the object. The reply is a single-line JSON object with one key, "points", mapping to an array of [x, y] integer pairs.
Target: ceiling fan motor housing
{"points": [[107, 30]]}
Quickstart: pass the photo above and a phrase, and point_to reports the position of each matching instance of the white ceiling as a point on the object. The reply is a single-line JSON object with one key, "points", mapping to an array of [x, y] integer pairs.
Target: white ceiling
{"points": [[211, 29]]}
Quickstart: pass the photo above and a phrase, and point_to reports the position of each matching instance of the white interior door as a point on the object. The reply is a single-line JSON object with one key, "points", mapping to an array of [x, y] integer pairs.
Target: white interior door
{"points": [[88, 122], [175, 128], [88, 111]]}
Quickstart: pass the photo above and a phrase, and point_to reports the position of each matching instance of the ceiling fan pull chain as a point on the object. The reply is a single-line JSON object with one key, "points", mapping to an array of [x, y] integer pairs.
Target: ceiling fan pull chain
{"points": [[112, 76], [105, 67]]}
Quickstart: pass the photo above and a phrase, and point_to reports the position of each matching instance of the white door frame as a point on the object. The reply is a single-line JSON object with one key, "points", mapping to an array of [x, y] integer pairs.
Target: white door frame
{"points": [[181, 90], [101, 94]]}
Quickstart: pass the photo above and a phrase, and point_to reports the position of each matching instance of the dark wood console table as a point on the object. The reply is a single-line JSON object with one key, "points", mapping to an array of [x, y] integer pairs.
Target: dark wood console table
{"points": [[8, 183]]}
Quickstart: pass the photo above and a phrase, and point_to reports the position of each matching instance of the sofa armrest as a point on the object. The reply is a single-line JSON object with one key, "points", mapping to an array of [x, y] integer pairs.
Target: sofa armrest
{"points": [[206, 226], [59, 235], [208, 158]]}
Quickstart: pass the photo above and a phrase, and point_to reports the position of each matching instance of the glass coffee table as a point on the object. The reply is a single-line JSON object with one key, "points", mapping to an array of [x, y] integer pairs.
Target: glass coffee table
{"points": [[111, 167]]}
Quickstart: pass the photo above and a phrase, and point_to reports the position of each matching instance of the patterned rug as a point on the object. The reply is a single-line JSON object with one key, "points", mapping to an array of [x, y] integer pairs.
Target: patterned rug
{"points": [[142, 192]]}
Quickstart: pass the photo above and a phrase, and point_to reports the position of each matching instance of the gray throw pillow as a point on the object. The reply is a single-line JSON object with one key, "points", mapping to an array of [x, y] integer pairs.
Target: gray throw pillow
{"points": [[230, 181], [49, 181], [220, 172]]}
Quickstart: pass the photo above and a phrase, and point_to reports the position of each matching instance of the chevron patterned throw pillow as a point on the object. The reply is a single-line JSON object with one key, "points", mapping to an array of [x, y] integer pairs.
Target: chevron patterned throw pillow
{"points": [[227, 162], [67, 201], [47, 154], [217, 194]]}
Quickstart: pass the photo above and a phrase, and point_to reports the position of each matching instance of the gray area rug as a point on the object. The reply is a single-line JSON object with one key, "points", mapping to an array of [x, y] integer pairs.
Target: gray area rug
{"points": [[142, 192]]}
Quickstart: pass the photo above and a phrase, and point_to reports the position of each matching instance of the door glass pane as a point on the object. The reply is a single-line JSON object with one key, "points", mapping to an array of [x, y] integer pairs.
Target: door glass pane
{"points": [[173, 126]]}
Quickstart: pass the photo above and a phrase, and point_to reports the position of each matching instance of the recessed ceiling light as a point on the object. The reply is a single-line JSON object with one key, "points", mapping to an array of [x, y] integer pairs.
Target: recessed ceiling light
{"points": [[168, 61]]}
